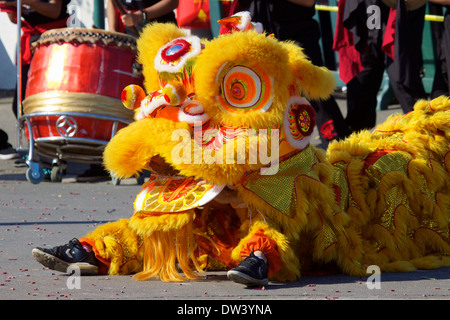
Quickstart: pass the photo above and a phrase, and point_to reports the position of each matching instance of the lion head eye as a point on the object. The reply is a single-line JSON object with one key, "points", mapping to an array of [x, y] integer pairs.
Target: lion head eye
{"points": [[243, 89], [173, 56]]}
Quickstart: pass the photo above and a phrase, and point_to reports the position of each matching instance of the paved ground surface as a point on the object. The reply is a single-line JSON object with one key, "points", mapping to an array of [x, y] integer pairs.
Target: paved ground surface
{"points": [[49, 214]]}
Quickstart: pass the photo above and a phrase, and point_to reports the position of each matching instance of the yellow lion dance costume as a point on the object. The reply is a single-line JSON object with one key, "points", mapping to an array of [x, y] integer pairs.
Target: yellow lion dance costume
{"points": [[227, 120]]}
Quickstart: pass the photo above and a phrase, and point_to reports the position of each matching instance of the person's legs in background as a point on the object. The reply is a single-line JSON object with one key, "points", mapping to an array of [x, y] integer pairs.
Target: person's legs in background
{"points": [[330, 122], [405, 71], [362, 91]]}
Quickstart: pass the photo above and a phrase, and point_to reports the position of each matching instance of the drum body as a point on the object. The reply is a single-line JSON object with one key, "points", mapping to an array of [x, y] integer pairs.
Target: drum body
{"points": [[72, 106], [82, 60]]}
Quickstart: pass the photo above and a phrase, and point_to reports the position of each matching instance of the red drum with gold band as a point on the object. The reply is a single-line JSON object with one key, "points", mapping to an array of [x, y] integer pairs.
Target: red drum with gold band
{"points": [[72, 106]]}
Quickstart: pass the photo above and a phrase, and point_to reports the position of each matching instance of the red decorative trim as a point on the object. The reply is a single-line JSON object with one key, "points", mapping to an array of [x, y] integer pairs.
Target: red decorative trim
{"points": [[175, 50]]}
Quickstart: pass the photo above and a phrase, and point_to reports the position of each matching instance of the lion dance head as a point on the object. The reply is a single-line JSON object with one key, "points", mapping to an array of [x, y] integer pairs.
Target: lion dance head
{"points": [[210, 113]]}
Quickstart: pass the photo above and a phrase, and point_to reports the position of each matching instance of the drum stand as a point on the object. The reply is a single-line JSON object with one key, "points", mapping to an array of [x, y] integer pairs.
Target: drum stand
{"points": [[33, 167], [68, 124], [34, 173], [64, 148]]}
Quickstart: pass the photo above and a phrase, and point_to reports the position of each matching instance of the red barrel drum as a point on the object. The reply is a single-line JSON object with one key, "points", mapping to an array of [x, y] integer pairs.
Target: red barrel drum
{"points": [[83, 60], [72, 106]]}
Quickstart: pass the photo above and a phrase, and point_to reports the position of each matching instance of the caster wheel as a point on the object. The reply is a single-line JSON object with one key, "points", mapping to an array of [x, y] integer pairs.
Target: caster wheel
{"points": [[56, 174], [34, 177]]}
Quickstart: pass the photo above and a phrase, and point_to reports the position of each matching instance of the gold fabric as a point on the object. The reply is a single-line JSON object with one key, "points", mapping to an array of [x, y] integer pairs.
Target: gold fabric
{"points": [[55, 101], [395, 196], [394, 161], [340, 184], [278, 190]]}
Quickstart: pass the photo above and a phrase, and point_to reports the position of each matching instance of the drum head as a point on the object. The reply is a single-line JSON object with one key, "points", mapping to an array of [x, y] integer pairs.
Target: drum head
{"points": [[82, 35]]}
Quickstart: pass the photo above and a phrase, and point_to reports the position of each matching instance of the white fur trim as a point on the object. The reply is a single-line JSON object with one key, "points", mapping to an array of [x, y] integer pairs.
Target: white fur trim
{"points": [[196, 48], [199, 115], [246, 18]]}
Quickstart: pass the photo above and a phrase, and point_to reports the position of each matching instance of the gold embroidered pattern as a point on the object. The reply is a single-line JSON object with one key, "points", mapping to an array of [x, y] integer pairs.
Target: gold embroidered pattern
{"points": [[340, 184], [278, 190]]}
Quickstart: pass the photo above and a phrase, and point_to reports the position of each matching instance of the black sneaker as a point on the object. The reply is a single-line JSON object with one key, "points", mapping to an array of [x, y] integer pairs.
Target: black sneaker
{"points": [[252, 271], [72, 254], [8, 153]]}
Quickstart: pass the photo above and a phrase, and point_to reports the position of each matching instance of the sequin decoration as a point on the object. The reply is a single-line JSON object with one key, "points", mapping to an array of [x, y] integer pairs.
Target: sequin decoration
{"points": [[298, 122], [395, 197], [166, 194], [267, 187], [243, 89]]}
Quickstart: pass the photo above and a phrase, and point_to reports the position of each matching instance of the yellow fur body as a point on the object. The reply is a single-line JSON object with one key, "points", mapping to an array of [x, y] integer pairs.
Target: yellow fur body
{"points": [[380, 198]]}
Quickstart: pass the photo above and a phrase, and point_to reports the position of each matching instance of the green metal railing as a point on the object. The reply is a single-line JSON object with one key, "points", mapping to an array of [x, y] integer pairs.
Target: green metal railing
{"points": [[99, 14], [428, 17]]}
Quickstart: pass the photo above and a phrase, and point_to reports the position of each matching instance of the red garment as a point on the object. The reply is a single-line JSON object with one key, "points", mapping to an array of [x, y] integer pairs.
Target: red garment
{"points": [[349, 58], [28, 30], [120, 25], [350, 63], [7, 9], [389, 34]]}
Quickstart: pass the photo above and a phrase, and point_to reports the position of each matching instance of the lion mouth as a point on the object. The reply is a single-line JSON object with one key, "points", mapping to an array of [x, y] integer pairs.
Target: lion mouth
{"points": [[169, 191], [158, 166]]}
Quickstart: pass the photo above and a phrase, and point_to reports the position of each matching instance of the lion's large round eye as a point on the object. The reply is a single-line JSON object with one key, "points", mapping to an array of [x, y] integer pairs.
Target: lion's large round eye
{"points": [[244, 89]]}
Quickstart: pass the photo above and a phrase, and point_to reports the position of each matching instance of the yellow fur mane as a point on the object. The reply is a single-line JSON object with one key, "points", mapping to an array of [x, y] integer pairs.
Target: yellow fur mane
{"points": [[377, 198]]}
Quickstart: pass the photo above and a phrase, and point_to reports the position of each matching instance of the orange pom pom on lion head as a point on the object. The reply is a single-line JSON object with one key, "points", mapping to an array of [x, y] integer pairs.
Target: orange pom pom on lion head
{"points": [[216, 110]]}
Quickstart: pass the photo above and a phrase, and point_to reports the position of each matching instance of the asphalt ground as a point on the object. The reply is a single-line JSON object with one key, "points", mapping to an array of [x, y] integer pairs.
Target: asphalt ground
{"points": [[49, 214]]}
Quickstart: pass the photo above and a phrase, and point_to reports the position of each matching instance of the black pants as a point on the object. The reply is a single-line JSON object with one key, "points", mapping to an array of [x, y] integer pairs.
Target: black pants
{"points": [[25, 69], [362, 91], [441, 46], [3, 135], [330, 122], [3, 139], [404, 76], [293, 22]]}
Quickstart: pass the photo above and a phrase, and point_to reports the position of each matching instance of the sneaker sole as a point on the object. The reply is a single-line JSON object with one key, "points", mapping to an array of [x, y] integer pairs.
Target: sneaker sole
{"points": [[245, 279], [9, 156], [57, 264]]}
